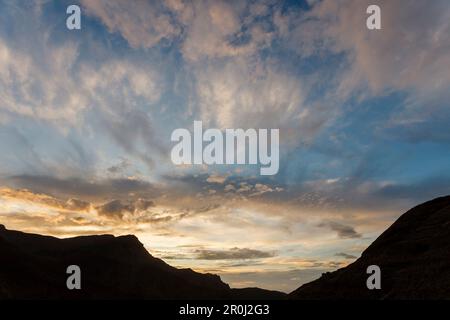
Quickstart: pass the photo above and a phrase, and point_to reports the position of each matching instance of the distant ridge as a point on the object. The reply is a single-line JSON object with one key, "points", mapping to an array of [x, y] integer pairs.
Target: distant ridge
{"points": [[413, 254], [34, 267]]}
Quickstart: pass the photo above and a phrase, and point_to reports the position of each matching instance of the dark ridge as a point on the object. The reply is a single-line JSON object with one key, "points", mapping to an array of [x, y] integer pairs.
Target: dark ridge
{"points": [[413, 255], [34, 267]]}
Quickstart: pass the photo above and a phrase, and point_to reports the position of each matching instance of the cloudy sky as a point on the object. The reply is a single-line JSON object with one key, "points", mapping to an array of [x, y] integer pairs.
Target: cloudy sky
{"points": [[86, 117]]}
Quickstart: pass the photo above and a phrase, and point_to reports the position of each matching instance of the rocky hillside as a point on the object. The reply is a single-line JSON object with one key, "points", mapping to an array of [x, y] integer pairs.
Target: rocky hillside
{"points": [[34, 267], [413, 255]]}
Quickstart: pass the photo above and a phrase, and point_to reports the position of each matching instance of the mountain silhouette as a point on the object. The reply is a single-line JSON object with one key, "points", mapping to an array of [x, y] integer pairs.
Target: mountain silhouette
{"points": [[413, 255], [34, 267]]}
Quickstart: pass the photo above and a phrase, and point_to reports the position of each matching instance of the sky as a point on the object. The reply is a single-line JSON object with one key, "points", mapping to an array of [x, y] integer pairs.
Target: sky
{"points": [[86, 118]]}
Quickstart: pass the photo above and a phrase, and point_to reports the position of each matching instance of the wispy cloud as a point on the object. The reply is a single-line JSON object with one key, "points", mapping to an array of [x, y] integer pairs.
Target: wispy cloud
{"points": [[232, 254], [343, 231]]}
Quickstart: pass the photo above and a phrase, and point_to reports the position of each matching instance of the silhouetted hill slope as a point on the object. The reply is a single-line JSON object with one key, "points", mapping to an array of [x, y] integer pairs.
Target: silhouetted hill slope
{"points": [[34, 266], [413, 254]]}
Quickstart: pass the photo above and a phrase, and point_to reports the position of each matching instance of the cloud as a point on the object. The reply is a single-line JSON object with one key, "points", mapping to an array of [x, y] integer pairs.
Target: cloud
{"points": [[343, 231], [229, 188], [117, 88], [114, 208], [232, 254], [207, 208], [63, 96], [119, 168], [94, 189], [261, 189], [78, 89], [28, 90], [143, 23], [243, 93], [219, 187], [219, 29], [407, 54], [424, 189], [119, 209], [22, 152], [77, 204], [44, 199], [345, 255], [143, 204], [216, 179], [206, 29], [42, 213]]}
